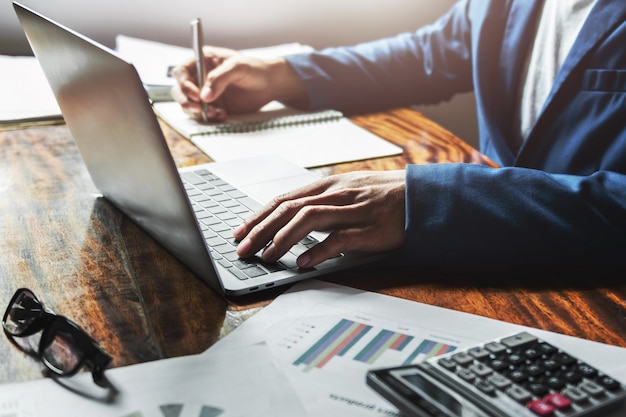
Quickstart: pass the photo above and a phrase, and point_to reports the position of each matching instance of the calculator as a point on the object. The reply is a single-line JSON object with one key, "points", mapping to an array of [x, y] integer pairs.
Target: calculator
{"points": [[516, 376]]}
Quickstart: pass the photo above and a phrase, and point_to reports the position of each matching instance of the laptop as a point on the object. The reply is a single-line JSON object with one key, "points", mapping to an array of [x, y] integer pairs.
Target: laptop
{"points": [[120, 140]]}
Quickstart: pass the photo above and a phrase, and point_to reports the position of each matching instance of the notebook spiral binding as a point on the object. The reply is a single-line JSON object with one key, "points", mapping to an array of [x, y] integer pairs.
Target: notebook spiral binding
{"points": [[273, 123]]}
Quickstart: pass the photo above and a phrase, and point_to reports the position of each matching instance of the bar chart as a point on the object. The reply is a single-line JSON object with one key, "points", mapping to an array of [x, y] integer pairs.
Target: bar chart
{"points": [[364, 343], [337, 342], [428, 349], [384, 340]]}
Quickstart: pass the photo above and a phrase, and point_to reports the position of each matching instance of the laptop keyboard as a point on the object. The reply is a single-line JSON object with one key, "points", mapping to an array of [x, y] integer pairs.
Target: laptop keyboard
{"points": [[220, 208]]}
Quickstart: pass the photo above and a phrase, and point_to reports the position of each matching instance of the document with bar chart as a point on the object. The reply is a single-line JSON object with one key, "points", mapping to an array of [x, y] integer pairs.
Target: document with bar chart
{"points": [[325, 337], [340, 339], [327, 352]]}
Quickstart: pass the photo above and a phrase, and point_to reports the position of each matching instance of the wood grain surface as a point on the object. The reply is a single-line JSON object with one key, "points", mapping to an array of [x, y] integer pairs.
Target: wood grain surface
{"points": [[86, 260]]}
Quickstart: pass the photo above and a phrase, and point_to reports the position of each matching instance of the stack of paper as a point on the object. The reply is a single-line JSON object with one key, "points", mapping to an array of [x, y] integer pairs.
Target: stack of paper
{"points": [[26, 97]]}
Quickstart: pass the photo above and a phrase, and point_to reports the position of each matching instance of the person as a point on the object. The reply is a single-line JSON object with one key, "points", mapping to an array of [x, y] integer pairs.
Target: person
{"points": [[550, 84]]}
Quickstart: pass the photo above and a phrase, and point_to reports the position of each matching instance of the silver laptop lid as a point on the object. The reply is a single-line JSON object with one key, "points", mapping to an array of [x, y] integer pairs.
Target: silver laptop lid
{"points": [[109, 115]]}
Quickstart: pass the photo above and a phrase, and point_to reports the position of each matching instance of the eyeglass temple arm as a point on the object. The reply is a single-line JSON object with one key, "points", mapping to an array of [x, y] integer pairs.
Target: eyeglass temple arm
{"points": [[98, 362]]}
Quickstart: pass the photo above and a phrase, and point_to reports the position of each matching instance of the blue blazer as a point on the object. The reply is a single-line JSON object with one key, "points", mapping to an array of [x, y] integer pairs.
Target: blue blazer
{"points": [[560, 198]]}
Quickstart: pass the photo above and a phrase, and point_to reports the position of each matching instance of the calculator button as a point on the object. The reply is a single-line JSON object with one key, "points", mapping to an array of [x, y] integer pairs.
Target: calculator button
{"points": [[551, 364], [591, 388], [564, 358], [498, 364], [479, 353], [519, 394], [535, 369], [499, 381], [546, 348], [447, 363], [538, 389], [575, 395], [485, 387], [573, 377], [541, 408], [462, 358], [480, 369], [555, 382], [518, 341], [466, 375], [514, 359], [531, 353], [518, 376], [609, 383], [587, 371], [558, 401], [495, 347]]}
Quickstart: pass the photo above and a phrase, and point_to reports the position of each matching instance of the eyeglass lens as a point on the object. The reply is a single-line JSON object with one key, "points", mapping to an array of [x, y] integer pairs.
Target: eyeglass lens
{"points": [[22, 313], [60, 350]]}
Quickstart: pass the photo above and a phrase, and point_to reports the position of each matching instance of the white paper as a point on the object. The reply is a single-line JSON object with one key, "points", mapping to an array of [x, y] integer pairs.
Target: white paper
{"points": [[26, 94], [241, 382], [306, 145], [152, 60], [293, 322]]}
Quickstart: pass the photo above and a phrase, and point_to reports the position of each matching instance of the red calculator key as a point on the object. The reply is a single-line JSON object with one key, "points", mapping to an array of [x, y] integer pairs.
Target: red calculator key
{"points": [[558, 401], [540, 408]]}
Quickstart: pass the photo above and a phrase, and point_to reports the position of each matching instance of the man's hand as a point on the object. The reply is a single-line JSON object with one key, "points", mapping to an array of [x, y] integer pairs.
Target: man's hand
{"points": [[362, 210], [235, 83]]}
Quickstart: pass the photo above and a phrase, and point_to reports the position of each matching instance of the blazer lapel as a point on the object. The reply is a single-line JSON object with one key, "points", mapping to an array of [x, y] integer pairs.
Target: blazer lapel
{"points": [[516, 41], [602, 19], [518, 37]]}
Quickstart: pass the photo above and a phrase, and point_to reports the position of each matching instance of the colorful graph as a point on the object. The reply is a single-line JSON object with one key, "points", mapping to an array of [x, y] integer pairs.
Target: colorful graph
{"points": [[384, 340], [426, 350], [345, 334], [336, 342]]}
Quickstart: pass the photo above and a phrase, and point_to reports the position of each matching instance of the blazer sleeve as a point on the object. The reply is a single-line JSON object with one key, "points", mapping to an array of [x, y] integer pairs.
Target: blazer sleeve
{"points": [[427, 66], [465, 215]]}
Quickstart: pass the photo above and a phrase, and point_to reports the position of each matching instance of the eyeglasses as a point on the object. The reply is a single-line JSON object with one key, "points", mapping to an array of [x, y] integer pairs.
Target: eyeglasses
{"points": [[63, 346]]}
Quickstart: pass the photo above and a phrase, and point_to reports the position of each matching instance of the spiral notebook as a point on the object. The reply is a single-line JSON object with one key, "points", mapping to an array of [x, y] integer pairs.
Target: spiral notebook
{"points": [[308, 139]]}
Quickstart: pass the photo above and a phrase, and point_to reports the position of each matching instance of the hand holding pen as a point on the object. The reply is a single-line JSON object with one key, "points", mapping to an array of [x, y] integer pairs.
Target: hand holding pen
{"points": [[232, 82]]}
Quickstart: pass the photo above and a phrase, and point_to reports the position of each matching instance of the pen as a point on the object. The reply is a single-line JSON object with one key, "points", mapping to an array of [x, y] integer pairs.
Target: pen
{"points": [[196, 29]]}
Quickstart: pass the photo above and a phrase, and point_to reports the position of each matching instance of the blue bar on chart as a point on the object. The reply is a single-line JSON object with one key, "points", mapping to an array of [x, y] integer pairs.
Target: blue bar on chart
{"points": [[383, 341], [336, 342], [428, 349]]}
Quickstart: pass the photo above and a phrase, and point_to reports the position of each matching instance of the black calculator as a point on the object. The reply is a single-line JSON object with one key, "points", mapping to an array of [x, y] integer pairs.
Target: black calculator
{"points": [[516, 376]]}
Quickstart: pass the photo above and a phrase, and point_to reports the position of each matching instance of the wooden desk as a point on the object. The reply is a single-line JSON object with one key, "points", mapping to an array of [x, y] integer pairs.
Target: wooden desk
{"points": [[87, 261]]}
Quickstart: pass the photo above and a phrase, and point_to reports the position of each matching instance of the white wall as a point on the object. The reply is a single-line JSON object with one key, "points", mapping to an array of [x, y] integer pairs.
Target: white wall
{"points": [[246, 24]]}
